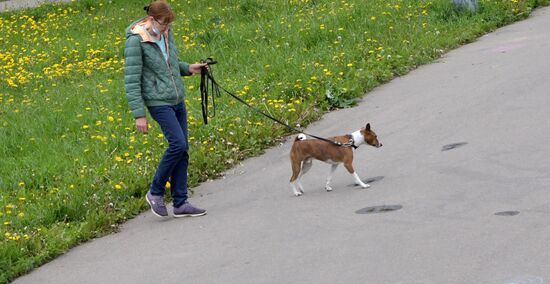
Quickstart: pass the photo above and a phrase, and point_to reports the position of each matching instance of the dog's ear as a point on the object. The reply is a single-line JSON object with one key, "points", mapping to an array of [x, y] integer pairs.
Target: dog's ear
{"points": [[367, 127]]}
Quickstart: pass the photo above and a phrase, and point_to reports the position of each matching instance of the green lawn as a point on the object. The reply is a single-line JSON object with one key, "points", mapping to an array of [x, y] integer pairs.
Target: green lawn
{"points": [[72, 165]]}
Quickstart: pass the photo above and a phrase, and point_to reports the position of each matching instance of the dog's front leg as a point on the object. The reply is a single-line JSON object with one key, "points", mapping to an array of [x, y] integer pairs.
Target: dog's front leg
{"points": [[358, 181], [329, 178]]}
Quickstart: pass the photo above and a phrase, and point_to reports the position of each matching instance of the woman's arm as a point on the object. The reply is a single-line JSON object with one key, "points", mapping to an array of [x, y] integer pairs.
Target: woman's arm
{"points": [[133, 64]]}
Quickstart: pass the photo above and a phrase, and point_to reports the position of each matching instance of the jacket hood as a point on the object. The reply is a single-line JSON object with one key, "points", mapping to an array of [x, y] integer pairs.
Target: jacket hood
{"points": [[130, 29], [138, 28]]}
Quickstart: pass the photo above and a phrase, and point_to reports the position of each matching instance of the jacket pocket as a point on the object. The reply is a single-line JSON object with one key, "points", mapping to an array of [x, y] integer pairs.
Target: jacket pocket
{"points": [[164, 89]]}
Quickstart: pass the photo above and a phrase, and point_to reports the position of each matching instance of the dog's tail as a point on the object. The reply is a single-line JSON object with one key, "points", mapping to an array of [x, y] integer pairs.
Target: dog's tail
{"points": [[300, 137]]}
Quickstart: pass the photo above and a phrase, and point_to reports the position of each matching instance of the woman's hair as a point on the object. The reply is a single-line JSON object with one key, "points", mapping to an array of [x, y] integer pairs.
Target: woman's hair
{"points": [[160, 10]]}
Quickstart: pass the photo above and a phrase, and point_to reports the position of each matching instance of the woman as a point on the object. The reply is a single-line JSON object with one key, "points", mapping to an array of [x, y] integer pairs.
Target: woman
{"points": [[152, 77]]}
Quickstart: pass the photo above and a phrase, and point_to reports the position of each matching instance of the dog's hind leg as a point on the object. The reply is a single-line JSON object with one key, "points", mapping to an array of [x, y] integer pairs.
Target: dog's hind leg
{"points": [[306, 165], [358, 181], [294, 180], [329, 177]]}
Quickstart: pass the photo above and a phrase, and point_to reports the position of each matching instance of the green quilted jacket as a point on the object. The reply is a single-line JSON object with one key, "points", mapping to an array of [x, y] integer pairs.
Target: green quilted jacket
{"points": [[149, 79]]}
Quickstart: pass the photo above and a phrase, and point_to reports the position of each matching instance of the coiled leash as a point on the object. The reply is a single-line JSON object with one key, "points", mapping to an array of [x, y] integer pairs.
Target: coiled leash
{"points": [[209, 85]]}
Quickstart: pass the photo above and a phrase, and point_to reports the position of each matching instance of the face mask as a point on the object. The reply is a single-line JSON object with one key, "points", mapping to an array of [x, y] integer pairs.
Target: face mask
{"points": [[155, 30]]}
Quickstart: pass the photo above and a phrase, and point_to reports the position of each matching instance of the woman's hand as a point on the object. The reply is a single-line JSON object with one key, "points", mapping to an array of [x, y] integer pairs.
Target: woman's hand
{"points": [[141, 124], [196, 68]]}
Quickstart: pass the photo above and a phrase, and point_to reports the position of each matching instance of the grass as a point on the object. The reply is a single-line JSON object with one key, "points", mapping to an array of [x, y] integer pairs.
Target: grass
{"points": [[73, 166]]}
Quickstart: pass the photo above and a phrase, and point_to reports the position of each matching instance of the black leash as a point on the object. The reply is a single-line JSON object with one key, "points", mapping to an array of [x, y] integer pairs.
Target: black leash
{"points": [[210, 85]]}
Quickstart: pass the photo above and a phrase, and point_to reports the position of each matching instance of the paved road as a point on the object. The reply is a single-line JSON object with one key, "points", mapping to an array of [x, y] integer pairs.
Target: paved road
{"points": [[490, 99], [22, 4]]}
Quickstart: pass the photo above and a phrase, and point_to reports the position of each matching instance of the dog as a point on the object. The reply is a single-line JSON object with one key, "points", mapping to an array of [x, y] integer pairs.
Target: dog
{"points": [[304, 151]]}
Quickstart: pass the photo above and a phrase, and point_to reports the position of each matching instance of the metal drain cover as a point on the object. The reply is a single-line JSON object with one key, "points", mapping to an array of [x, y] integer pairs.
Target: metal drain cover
{"points": [[378, 209], [507, 213]]}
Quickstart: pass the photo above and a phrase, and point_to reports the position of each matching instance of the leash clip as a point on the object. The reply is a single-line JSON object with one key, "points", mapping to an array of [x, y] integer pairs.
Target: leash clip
{"points": [[209, 61]]}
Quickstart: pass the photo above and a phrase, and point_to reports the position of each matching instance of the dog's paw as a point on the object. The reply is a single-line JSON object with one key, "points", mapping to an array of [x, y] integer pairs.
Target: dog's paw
{"points": [[298, 193], [328, 188], [365, 185]]}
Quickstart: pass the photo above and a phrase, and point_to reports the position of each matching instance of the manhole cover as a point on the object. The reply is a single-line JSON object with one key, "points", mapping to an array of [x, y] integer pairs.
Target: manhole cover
{"points": [[507, 213], [378, 209], [452, 146]]}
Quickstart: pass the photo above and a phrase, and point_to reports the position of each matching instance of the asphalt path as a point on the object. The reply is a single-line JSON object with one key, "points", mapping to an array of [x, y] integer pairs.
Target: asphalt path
{"points": [[465, 163], [11, 5]]}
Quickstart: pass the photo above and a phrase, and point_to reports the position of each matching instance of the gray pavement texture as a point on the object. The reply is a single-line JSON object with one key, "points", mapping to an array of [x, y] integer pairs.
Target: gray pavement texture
{"points": [[491, 98], [11, 5]]}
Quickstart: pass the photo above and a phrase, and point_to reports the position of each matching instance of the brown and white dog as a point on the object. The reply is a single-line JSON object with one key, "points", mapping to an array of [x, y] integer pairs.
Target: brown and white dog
{"points": [[304, 151]]}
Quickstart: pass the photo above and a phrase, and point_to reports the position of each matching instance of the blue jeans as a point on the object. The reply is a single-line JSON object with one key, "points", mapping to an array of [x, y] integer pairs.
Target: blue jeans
{"points": [[174, 163]]}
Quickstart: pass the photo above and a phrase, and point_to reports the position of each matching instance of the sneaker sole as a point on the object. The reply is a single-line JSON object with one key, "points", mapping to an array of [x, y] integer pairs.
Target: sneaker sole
{"points": [[150, 205], [190, 215]]}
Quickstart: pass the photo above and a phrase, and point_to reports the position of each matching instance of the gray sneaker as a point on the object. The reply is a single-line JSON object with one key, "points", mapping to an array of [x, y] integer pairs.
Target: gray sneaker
{"points": [[188, 210], [157, 204]]}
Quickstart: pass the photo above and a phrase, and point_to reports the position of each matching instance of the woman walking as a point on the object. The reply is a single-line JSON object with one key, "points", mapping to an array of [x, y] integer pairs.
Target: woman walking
{"points": [[152, 77]]}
